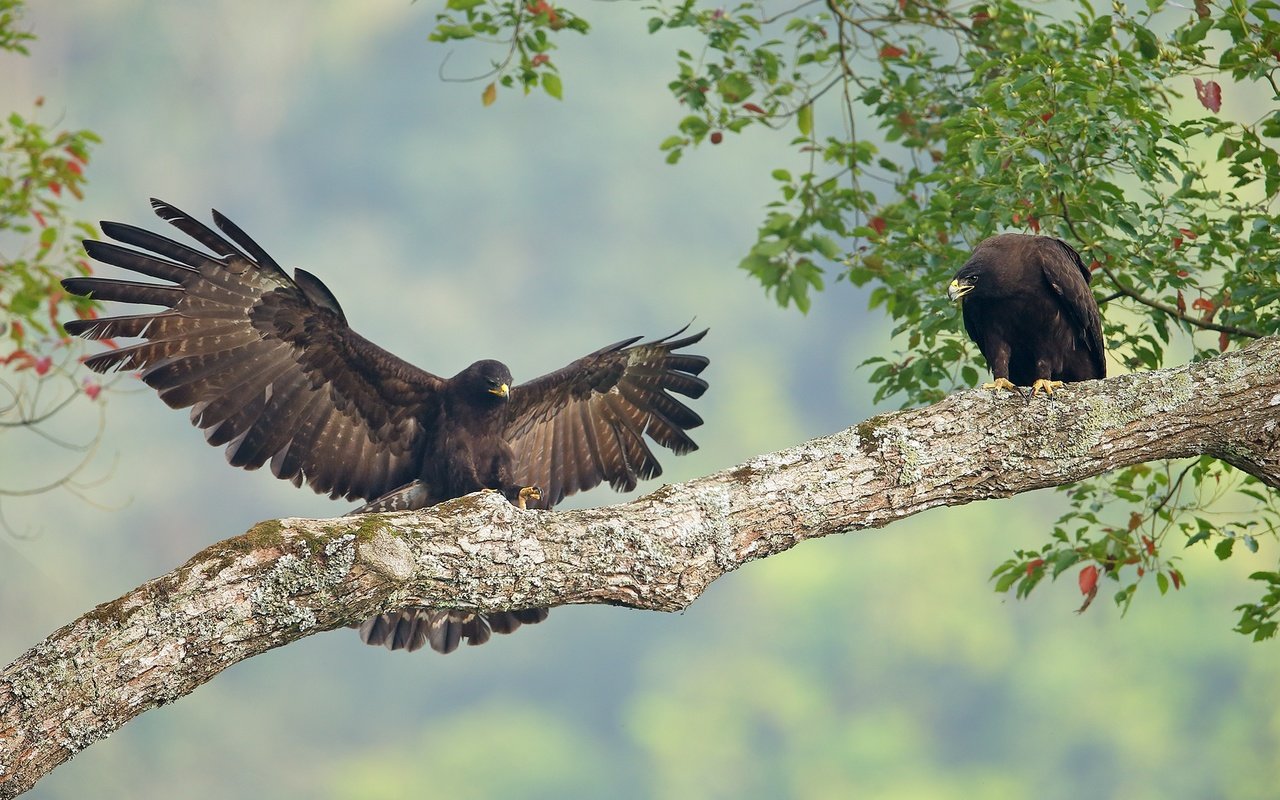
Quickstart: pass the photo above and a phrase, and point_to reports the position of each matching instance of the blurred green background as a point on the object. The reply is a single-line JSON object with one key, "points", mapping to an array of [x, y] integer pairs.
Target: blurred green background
{"points": [[534, 231]]}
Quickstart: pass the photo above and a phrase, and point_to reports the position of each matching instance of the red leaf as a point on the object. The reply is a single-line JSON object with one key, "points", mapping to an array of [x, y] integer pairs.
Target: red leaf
{"points": [[1095, 265], [43, 364], [1186, 233], [17, 332], [717, 137], [1222, 342], [1150, 544], [539, 60], [1032, 566], [1182, 273], [889, 51], [39, 218], [878, 225], [74, 167], [1135, 519], [753, 108], [1182, 303], [92, 388], [56, 188], [1089, 580], [1209, 93], [1046, 116], [1204, 304], [1034, 224], [1177, 242], [1176, 577], [1141, 572]]}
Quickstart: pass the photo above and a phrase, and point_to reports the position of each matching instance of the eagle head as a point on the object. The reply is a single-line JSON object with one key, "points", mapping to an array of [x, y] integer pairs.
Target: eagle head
{"points": [[485, 378], [965, 281]]}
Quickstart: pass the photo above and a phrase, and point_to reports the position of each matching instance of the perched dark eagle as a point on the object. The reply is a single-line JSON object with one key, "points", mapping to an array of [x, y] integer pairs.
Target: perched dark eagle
{"points": [[269, 368], [1027, 305]]}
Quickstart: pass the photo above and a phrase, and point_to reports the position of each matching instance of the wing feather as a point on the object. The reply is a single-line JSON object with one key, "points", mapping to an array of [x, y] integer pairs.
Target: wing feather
{"points": [[265, 361], [1069, 277], [586, 424]]}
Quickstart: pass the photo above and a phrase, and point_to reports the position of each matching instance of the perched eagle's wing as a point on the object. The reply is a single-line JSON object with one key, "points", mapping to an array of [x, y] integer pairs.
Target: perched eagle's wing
{"points": [[266, 362], [584, 424], [1069, 278]]}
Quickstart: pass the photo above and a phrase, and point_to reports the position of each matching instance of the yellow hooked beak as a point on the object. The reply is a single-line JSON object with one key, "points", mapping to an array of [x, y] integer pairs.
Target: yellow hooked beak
{"points": [[501, 391], [957, 290]]}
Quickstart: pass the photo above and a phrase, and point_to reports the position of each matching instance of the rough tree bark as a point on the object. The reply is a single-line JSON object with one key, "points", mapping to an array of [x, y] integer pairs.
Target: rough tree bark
{"points": [[290, 578]]}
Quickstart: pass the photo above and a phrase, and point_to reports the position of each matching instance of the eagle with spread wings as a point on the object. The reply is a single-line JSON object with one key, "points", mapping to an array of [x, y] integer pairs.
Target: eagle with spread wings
{"points": [[272, 372]]}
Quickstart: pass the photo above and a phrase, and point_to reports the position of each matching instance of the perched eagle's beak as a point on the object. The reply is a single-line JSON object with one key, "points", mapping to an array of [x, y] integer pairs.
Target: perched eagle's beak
{"points": [[957, 290], [501, 391]]}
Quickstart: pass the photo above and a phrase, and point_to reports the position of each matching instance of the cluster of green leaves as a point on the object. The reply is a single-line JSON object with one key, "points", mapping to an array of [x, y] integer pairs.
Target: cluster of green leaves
{"points": [[1166, 514], [993, 116], [12, 38], [39, 170], [41, 175], [526, 28]]}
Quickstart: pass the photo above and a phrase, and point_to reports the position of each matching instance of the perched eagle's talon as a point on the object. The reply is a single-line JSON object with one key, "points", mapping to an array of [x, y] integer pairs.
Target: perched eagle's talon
{"points": [[1047, 385], [1001, 383], [526, 494]]}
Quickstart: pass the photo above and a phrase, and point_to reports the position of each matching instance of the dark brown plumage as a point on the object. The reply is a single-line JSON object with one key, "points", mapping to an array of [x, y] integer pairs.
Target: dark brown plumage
{"points": [[270, 369], [1027, 305]]}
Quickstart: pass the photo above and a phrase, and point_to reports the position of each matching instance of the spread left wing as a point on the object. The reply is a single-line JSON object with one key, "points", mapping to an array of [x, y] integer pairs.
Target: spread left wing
{"points": [[585, 424], [265, 361]]}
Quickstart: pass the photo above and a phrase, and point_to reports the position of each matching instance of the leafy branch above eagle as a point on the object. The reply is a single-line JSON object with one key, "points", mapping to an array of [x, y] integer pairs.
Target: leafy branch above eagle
{"points": [[271, 370]]}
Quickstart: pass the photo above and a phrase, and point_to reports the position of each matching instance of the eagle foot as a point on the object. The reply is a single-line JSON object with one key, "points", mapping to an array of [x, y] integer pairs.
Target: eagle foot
{"points": [[1001, 383], [1046, 385], [526, 494]]}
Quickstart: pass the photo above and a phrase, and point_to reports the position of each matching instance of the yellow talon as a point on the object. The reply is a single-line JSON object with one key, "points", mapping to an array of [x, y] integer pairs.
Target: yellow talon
{"points": [[526, 494], [1047, 385], [1001, 383]]}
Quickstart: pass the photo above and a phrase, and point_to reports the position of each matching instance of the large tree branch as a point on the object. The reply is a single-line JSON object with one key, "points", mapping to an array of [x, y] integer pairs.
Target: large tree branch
{"points": [[287, 579]]}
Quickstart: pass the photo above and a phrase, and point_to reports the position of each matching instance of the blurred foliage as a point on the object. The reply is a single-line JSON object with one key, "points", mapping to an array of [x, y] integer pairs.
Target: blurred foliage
{"points": [[41, 173], [991, 116]]}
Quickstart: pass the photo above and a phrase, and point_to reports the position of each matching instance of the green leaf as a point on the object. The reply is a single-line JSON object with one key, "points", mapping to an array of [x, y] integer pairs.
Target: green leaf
{"points": [[804, 119], [827, 247], [1162, 583], [1146, 43], [1223, 549], [1064, 560], [1007, 580], [463, 5], [444, 33], [551, 84], [735, 87], [1198, 537]]}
